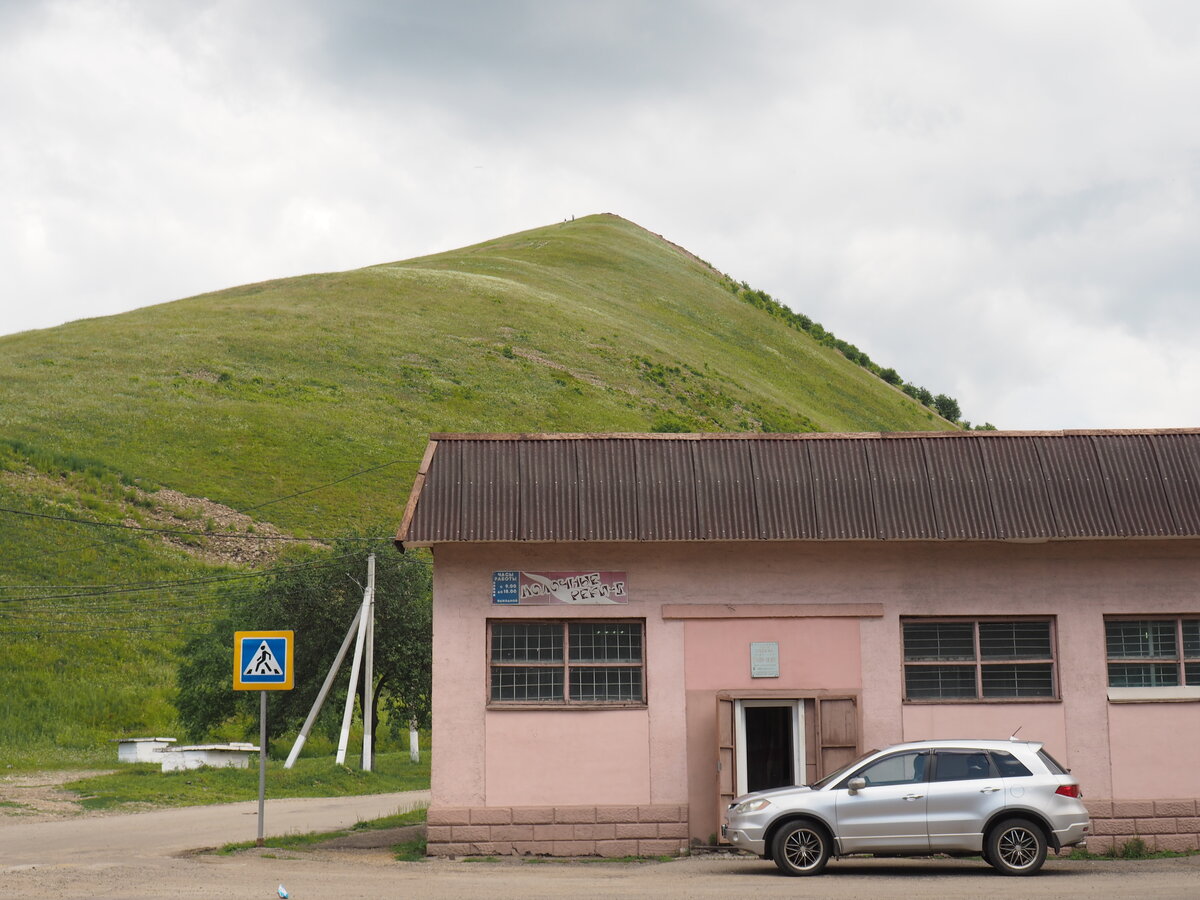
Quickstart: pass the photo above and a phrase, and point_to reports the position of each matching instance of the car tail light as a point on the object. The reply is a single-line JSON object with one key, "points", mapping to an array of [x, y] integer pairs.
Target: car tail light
{"points": [[1069, 790]]}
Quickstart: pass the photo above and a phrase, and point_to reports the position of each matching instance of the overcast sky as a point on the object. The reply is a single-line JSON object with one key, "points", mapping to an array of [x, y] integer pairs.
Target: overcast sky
{"points": [[999, 199]]}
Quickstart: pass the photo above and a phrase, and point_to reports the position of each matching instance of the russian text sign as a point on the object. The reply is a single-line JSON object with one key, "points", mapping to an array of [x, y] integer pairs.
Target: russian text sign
{"points": [[262, 660], [764, 659], [549, 588]]}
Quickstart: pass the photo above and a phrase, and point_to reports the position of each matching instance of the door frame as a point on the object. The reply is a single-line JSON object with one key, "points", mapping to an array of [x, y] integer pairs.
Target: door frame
{"points": [[831, 747], [799, 760]]}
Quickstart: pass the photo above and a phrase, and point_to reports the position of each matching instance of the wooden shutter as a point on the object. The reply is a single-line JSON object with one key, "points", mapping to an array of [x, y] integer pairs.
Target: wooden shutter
{"points": [[837, 733], [726, 760]]}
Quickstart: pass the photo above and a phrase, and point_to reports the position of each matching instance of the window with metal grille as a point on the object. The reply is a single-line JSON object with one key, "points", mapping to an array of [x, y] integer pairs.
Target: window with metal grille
{"points": [[587, 662], [1148, 653], [978, 659]]}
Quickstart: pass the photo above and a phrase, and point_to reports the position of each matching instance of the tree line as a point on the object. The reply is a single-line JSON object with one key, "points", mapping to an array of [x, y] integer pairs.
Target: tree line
{"points": [[943, 404], [317, 599]]}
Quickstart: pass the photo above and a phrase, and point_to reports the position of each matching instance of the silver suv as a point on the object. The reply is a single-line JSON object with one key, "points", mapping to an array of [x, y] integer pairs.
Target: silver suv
{"points": [[1007, 800]]}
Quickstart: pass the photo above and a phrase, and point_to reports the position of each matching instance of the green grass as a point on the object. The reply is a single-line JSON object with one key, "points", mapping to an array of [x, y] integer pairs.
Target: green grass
{"points": [[311, 839], [145, 784], [262, 391], [1134, 848]]}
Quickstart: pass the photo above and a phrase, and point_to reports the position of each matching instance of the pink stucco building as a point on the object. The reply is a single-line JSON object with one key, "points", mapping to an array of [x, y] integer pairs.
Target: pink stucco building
{"points": [[631, 629]]}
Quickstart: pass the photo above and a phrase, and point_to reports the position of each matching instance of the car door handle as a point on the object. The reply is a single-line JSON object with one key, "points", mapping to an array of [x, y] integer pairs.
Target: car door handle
{"points": [[913, 796], [988, 790]]}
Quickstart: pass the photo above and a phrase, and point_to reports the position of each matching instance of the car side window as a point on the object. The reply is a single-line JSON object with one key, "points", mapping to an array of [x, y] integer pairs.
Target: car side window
{"points": [[899, 768], [1008, 765], [962, 765]]}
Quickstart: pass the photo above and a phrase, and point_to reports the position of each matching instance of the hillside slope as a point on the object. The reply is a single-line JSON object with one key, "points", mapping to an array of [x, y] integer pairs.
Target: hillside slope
{"points": [[258, 391], [270, 390]]}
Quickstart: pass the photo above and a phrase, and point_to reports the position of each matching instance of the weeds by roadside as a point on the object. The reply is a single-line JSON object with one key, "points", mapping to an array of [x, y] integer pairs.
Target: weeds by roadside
{"points": [[144, 783], [1134, 848], [408, 850]]}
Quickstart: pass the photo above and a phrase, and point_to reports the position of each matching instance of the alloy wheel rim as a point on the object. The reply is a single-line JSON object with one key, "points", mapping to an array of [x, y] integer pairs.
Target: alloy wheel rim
{"points": [[803, 849], [1018, 848]]}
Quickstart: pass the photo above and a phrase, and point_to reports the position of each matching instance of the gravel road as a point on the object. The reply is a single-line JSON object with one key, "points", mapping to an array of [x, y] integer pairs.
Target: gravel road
{"points": [[153, 855]]}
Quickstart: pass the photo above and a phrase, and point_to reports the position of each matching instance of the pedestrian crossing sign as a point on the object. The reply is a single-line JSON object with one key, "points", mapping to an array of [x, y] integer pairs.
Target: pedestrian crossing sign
{"points": [[262, 660]]}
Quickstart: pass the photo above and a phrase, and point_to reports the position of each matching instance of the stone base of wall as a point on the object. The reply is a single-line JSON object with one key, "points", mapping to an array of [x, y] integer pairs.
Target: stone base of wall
{"points": [[610, 831], [1160, 824]]}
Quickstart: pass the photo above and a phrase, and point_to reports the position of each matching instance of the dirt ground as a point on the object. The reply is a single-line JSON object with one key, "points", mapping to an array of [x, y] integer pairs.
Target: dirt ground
{"points": [[50, 848], [39, 796]]}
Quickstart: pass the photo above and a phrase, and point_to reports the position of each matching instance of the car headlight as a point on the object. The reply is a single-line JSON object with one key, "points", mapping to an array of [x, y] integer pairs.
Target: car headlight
{"points": [[749, 806]]}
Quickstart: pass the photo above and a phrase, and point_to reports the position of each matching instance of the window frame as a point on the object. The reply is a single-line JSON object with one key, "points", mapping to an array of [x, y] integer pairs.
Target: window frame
{"points": [[565, 666], [979, 663], [1154, 693]]}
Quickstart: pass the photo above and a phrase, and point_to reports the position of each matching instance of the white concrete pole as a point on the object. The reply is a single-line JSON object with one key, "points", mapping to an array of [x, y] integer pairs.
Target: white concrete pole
{"points": [[348, 714], [369, 671], [324, 692]]}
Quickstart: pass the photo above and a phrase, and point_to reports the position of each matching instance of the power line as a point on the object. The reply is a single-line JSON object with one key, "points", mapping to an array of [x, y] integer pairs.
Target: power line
{"points": [[327, 484], [194, 533], [131, 587], [175, 531]]}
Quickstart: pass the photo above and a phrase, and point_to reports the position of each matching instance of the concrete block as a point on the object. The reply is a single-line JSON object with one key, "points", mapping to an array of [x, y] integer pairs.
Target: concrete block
{"points": [[1175, 807], [575, 815], [659, 813], [605, 832], [616, 814], [494, 815], [661, 847], [676, 830], [646, 830], [1112, 826], [574, 848], [1099, 809], [470, 833], [532, 815], [553, 832], [614, 849], [1179, 843], [448, 815], [1132, 809], [512, 833], [1154, 826], [450, 849]]}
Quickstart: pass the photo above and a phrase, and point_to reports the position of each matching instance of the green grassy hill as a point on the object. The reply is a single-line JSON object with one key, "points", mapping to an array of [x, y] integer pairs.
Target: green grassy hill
{"points": [[269, 390]]}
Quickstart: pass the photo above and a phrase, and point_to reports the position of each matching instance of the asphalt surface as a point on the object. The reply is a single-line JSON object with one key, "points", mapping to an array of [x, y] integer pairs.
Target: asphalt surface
{"points": [[153, 855]]}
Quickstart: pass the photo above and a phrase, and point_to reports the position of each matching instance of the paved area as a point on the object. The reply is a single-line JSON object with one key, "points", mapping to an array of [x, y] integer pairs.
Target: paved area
{"points": [[373, 874], [169, 832], [151, 855]]}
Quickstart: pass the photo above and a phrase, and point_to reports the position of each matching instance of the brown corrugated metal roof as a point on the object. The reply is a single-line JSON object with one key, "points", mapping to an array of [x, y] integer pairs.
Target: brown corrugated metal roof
{"points": [[725, 487]]}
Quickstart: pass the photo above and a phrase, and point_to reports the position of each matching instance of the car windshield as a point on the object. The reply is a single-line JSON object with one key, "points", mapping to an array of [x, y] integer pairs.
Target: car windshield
{"points": [[834, 776]]}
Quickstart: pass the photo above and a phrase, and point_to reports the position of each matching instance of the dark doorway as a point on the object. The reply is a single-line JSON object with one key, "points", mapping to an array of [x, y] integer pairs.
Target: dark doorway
{"points": [[770, 755]]}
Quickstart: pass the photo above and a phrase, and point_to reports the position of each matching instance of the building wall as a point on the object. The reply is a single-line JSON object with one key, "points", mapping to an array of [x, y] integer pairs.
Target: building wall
{"points": [[644, 780]]}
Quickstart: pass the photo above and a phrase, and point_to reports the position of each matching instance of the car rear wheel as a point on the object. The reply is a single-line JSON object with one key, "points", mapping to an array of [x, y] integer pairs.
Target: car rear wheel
{"points": [[1016, 847], [801, 848]]}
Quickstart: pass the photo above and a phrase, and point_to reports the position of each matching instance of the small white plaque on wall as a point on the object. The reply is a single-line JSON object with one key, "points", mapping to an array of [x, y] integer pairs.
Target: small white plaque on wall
{"points": [[764, 659]]}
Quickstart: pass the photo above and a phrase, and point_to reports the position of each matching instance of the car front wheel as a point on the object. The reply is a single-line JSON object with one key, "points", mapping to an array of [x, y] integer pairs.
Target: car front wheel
{"points": [[801, 848], [1016, 847]]}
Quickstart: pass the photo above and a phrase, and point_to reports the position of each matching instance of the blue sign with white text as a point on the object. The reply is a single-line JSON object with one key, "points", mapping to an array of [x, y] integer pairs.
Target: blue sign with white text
{"points": [[506, 587]]}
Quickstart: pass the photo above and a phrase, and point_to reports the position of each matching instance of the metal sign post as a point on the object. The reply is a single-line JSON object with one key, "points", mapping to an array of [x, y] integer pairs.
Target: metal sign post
{"points": [[262, 764], [262, 661]]}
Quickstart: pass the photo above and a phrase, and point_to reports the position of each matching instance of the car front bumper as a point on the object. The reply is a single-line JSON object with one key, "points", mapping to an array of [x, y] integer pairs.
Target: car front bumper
{"points": [[746, 837]]}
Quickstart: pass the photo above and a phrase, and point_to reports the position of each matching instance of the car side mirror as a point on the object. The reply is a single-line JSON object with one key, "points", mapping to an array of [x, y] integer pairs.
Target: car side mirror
{"points": [[854, 785]]}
